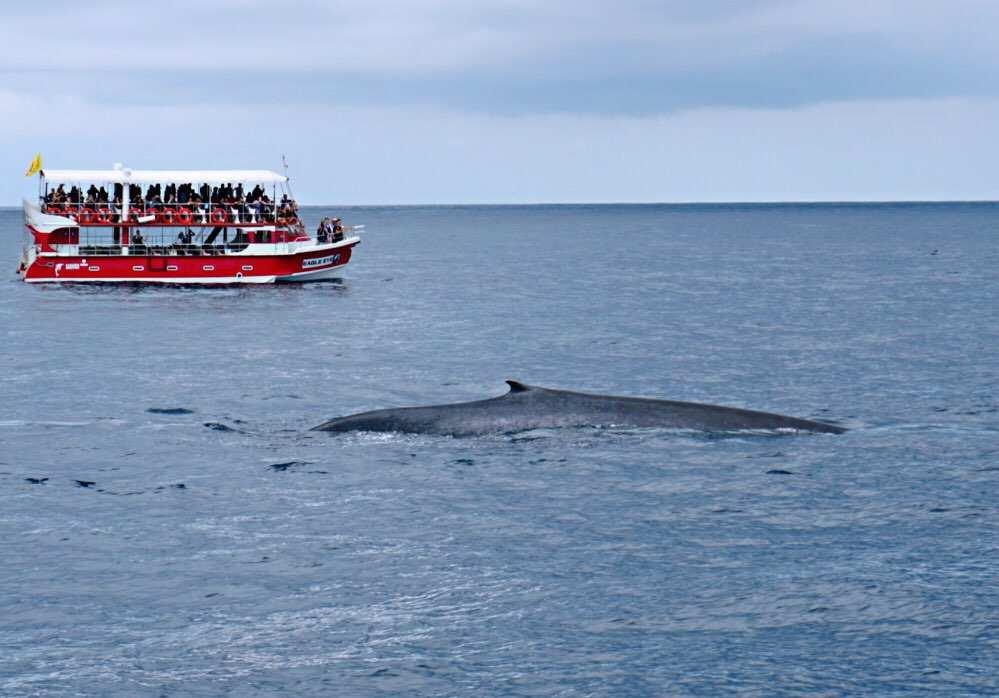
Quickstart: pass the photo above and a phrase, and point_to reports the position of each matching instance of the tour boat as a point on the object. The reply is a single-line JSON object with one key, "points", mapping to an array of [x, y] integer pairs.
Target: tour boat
{"points": [[175, 226]]}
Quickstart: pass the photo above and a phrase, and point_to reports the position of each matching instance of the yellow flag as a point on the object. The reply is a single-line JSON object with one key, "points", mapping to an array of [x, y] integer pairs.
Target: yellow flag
{"points": [[36, 165]]}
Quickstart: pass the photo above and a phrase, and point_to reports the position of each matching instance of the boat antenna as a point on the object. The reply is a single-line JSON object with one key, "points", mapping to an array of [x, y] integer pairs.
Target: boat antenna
{"points": [[287, 184]]}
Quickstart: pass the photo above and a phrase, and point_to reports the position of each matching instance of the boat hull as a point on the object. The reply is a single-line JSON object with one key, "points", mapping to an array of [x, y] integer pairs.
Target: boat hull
{"points": [[315, 263]]}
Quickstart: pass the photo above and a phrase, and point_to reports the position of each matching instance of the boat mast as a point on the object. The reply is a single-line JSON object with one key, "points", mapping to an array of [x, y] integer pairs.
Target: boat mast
{"points": [[125, 185], [287, 182]]}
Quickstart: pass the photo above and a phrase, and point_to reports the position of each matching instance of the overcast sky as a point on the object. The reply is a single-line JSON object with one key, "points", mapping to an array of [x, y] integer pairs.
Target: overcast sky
{"points": [[448, 101]]}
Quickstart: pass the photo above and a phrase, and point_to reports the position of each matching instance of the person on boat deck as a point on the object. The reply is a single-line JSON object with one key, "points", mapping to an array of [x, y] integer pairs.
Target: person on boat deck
{"points": [[102, 195], [154, 197], [321, 232], [92, 191], [137, 239], [186, 236]]}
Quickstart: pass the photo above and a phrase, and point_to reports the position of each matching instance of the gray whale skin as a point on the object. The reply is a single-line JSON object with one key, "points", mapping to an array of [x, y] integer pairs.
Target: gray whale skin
{"points": [[529, 407]]}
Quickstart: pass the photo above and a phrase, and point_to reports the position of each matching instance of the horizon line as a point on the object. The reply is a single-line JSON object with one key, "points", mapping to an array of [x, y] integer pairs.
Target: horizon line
{"points": [[761, 202]]}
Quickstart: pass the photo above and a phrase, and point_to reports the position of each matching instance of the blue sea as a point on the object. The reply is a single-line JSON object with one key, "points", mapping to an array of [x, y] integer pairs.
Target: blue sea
{"points": [[170, 527]]}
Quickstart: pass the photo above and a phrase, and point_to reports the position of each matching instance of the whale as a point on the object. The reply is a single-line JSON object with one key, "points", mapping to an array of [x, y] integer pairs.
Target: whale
{"points": [[527, 407]]}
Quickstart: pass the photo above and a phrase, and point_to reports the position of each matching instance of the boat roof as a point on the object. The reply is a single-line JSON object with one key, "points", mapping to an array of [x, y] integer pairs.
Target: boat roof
{"points": [[125, 175]]}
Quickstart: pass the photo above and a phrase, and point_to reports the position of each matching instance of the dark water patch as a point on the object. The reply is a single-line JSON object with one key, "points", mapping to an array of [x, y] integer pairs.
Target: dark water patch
{"points": [[169, 410], [36, 480], [288, 465], [464, 461], [84, 483], [219, 426], [779, 471], [384, 672]]}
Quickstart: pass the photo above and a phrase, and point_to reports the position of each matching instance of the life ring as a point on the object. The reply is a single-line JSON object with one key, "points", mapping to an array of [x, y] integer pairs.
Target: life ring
{"points": [[185, 217], [218, 216], [167, 217], [86, 217], [103, 217]]}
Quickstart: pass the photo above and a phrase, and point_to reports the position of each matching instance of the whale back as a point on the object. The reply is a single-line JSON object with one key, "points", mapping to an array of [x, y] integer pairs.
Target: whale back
{"points": [[527, 407]]}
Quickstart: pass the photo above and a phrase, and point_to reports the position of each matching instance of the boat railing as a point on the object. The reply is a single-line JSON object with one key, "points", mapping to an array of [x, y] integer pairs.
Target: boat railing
{"points": [[178, 214], [93, 242]]}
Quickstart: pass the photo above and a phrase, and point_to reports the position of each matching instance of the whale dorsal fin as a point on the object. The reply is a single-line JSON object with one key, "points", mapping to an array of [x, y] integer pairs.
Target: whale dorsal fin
{"points": [[518, 387]]}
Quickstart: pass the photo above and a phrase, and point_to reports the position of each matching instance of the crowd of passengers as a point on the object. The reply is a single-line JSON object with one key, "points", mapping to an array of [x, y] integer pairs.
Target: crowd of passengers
{"points": [[330, 230], [158, 197]]}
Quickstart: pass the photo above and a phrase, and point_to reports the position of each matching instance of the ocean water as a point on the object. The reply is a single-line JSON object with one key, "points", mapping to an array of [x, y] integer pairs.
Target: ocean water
{"points": [[170, 527]]}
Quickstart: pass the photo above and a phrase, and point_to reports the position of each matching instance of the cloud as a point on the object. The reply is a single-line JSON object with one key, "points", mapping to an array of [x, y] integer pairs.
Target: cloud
{"points": [[508, 56], [872, 150], [413, 101]]}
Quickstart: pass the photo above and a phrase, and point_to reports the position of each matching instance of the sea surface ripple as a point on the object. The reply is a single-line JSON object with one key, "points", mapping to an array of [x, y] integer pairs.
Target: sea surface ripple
{"points": [[171, 528]]}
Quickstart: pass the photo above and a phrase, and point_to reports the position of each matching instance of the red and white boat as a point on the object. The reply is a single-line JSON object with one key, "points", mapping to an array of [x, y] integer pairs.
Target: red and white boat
{"points": [[175, 226]]}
